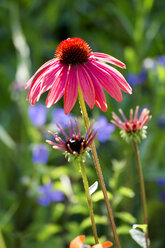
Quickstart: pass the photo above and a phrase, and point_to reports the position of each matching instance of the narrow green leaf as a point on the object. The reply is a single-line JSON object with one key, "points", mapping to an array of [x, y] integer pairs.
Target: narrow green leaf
{"points": [[98, 196], [6, 139], [127, 217]]}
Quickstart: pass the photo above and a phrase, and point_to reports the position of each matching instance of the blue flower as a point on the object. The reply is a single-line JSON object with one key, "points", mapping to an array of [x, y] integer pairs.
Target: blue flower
{"points": [[40, 154], [134, 80], [37, 114], [162, 196], [161, 122], [103, 128], [47, 195], [161, 60], [161, 181], [58, 116]]}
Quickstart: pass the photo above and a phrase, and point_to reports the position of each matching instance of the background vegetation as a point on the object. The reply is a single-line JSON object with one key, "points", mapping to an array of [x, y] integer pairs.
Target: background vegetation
{"points": [[133, 31]]}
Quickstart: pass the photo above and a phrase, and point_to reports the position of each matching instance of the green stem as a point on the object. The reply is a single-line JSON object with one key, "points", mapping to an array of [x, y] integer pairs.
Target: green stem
{"points": [[98, 169], [86, 187], [142, 189]]}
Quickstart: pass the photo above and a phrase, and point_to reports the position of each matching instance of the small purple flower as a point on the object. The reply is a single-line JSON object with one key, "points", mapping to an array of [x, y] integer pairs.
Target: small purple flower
{"points": [[162, 196], [161, 181], [40, 154], [37, 114], [60, 117], [161, 60], [137, 79], [161, 122], [103, 129], [47, 195]]}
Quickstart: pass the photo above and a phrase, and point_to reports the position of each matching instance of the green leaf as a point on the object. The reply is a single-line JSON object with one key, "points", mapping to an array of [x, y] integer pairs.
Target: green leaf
{"points": [[126, 192], [98, 196], [124, 229], [47, 231], [98, 219], [6, 139], [139, 237], [2, 242], [127, 217]]}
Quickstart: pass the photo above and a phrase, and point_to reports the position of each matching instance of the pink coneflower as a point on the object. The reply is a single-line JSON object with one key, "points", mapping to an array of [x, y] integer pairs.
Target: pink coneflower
{"points": [[74, 143], [134, 127], [75, 64], [78, 242]]}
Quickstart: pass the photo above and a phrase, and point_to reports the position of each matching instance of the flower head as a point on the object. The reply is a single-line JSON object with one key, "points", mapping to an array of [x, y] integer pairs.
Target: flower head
{"points": [[133, 128], [47, 195], [103, 128], [75, 64], [40, 154], [74, 143], [78, 242], [37, 114]]}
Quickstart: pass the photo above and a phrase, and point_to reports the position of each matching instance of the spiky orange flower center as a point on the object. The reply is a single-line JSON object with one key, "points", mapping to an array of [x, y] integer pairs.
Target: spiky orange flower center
{"points": [[132, 125], [73, 51]]}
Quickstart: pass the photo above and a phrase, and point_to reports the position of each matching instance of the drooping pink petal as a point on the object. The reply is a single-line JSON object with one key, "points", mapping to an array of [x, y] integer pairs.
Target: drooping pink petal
{"points": [[120, 125], [43, 82], [117, 76], [57, 90], [115, 117], [122, 114], [107, 82], [71, 90], [78, 128], [86, 85], [109, 59], [136, 113], [89, 129], [100, 99], [91, 139], [131, 114], [62, 131], [56, 137], [39, 71]]}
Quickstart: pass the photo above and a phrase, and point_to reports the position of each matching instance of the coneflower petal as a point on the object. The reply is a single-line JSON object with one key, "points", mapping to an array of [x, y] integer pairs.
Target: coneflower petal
{"points": [[71, 90], [39, 71], [86, 85], [117, 76], [109, 59], [107, 82], [58, 87], [100, 99], [43, 82]]}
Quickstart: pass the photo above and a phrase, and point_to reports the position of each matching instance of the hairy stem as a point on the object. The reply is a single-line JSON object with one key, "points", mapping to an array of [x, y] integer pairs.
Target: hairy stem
{"points": [[86, 187], [142, 189], [98, 169]]}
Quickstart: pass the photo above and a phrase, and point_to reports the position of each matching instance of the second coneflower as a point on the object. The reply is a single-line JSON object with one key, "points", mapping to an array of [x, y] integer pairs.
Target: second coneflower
{"points": [[135, 127], [75, 64], [74, 143]]}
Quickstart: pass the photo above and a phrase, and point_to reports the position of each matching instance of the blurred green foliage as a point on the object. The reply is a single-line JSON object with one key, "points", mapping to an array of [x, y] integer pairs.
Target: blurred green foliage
{"points": [[30, 31]]}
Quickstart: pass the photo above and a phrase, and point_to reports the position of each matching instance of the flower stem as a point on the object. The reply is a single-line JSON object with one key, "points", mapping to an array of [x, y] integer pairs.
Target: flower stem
{"points": [[98, 169], [86, 187], [142, 189]]}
